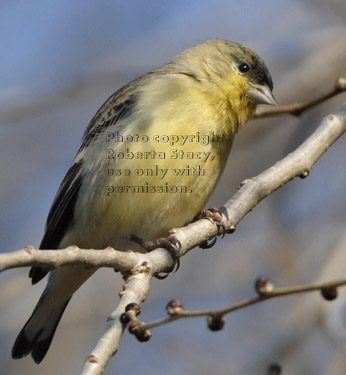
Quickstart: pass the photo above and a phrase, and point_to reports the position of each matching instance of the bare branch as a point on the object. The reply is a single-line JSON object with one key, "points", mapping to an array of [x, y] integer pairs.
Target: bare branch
{"points": [[120, 261], [180, 313], [296, 109], [135, 290]]}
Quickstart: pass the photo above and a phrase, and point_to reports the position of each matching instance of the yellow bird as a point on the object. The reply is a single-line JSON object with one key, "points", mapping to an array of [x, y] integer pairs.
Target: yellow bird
{"points": [[150, 159]]}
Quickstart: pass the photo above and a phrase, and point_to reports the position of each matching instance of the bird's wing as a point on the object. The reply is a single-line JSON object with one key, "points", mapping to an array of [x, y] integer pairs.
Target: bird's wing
{"points": [[60, 215], [116, 108]]}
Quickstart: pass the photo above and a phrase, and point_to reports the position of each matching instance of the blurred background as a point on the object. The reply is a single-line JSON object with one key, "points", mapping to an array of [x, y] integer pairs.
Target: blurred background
{"points": [[59, 62]]}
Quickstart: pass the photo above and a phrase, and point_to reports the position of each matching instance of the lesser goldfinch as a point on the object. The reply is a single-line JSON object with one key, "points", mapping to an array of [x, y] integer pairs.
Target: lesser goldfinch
{"points": [[150, 159]]}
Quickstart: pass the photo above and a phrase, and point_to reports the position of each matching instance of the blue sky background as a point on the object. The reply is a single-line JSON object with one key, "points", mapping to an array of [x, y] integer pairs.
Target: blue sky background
{"points": [[59, 62]]}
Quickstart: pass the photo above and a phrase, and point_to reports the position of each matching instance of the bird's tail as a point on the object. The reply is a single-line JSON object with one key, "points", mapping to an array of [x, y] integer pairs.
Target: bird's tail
{"points": [[37, 334]]}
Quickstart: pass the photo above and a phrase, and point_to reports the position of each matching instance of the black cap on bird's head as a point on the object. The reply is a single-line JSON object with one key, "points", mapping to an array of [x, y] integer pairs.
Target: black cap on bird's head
{"points": [[253, 67]]}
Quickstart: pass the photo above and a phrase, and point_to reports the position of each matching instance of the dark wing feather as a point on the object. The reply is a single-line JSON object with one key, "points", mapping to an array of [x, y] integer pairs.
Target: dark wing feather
{"points": [[60, 215], [105, 118]]}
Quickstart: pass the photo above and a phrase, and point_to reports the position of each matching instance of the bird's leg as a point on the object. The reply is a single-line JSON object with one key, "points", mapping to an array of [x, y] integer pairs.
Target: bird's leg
{"points": [[171, 244]]}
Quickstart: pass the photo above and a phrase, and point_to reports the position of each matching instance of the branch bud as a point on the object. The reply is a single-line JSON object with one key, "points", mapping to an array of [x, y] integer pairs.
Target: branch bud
{"points": [[304, 174], [330, 293], [133, 307], [133, 326], [143, 336], [263, 285], [216, 323], [232, 228], [174, 307], [274, 369], [124, 318]]}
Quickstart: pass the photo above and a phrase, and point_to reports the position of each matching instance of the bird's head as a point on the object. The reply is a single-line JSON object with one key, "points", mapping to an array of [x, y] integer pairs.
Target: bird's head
{"points": [[230, 73]]}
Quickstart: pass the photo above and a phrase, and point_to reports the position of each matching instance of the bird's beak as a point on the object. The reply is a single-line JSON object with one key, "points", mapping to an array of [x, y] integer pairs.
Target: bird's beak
{"points": [[261, 94]]}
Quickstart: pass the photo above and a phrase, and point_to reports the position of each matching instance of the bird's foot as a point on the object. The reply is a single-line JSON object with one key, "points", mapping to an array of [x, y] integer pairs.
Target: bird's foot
{"points": [[215, 217], [172, 245]]}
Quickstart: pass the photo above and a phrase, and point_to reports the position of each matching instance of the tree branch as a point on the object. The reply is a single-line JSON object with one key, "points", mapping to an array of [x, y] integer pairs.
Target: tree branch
{"points": [[120, 261], [296, 109], [179, 312], [135, 290]]}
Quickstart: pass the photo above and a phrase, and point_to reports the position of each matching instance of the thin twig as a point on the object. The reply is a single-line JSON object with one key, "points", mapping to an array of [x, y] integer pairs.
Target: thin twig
{"points": [[277, 292], [296, 109]]}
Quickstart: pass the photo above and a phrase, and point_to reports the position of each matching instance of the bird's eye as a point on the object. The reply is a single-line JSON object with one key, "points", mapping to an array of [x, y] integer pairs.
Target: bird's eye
{"points": [[243, 67]]}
